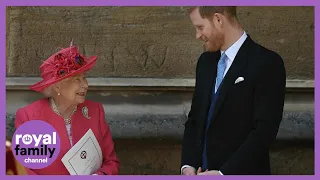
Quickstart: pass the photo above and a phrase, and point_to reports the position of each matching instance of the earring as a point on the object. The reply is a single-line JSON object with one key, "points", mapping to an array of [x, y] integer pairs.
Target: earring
{"points": [[58, 94]]}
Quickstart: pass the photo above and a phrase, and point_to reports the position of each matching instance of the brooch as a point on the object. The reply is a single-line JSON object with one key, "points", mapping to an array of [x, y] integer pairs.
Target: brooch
{"points": [[85, 112]]}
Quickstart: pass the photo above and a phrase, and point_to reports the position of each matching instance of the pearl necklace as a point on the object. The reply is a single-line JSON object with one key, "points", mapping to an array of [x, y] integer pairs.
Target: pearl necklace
{"points": [[55, 109]]}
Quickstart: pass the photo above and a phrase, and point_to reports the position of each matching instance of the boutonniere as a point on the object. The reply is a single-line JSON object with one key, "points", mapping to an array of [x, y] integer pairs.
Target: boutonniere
{"points": [[85, 112]]}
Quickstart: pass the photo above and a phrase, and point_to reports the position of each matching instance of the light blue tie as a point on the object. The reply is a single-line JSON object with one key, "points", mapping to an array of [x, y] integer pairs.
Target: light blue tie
{"points": [[220, 71]]}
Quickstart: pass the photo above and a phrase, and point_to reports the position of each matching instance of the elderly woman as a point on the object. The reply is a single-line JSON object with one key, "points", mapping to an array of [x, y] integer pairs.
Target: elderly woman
{"points": [[68, 111]]}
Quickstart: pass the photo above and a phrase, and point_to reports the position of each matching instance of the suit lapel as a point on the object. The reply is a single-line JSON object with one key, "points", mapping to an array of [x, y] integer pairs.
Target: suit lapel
{"points": [[233, 72], [209, 77]]}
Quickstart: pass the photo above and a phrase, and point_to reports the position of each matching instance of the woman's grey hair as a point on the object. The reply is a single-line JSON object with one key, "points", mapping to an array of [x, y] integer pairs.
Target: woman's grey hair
{"points": [[48, 91]]}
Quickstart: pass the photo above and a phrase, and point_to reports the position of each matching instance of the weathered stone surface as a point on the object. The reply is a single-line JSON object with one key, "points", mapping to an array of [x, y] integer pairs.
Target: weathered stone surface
{"points": [[162, 114], [143, 83], [151, 156], [295, 125], [148, 41]]}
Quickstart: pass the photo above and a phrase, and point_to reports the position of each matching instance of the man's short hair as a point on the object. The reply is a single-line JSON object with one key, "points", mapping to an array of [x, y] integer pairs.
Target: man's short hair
{"points": [[209, 11]]}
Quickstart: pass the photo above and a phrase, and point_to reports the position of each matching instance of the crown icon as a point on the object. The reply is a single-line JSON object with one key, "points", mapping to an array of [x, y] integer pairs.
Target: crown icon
{"points": [[27, 138]]}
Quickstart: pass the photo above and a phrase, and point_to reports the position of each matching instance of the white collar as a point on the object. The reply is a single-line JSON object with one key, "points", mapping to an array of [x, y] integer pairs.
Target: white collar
{"points": [[232, 51]]}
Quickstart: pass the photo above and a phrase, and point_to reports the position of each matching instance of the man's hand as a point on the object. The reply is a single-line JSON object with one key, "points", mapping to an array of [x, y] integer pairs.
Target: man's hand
{"points": [[212, 172], [200, 170], [189, 171]]}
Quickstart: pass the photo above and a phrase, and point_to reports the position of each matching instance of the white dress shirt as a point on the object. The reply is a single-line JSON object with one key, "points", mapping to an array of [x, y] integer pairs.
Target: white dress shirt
{"points": [[231, 53]]}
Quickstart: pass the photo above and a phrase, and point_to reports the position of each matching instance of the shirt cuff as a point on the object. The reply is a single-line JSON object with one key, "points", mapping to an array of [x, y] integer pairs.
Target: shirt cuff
{"points": [[185, 166]]}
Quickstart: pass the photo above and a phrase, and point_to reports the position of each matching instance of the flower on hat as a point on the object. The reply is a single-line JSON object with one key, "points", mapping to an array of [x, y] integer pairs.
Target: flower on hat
{"points": [[67, 62]]}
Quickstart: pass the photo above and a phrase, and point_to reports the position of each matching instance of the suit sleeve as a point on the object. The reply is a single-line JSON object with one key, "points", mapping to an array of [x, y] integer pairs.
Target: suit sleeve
{"points": [[268, 102], [22, 117], [110, 164], [189, 136]]}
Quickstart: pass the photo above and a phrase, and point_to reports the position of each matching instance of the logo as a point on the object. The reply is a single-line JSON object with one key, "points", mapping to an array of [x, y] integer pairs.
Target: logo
{"points": [[83, 155], [36, 144]]}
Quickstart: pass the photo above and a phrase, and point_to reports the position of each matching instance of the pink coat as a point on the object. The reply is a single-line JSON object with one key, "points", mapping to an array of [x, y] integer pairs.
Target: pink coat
{"points": [[41, 110]]}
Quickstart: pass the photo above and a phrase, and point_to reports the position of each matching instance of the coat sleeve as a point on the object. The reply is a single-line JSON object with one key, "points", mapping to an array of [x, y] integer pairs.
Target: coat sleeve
{"points": [[110, 164], [22, 117], [189, 137]]}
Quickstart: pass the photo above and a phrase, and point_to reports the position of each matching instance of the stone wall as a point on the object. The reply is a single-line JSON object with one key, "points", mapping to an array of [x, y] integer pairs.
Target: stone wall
{"points": [[154, 157], [148, 41], [147, 127]]}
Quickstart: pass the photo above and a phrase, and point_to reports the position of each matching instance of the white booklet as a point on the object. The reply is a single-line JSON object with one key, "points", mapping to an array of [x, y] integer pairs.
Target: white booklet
{"points": [[85, 157]]}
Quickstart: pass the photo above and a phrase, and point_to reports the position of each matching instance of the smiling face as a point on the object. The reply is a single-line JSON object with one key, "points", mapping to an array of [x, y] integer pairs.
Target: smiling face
{"points": [[209, 30], [74, 89]]}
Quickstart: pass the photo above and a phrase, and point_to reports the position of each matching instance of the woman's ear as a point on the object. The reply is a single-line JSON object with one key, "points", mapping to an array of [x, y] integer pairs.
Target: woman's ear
{"points": [[56, 87]]}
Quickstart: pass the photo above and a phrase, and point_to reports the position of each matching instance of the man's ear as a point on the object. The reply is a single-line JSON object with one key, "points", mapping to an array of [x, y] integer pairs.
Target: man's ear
{"points": [[218, 18]]}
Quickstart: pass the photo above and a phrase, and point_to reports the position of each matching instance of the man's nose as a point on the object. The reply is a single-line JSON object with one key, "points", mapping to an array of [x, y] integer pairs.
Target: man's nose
{"points": [[198, 35]]}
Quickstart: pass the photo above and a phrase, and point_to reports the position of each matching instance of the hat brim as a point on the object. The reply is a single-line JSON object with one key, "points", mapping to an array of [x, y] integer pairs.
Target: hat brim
{"points": [[41, 85]]}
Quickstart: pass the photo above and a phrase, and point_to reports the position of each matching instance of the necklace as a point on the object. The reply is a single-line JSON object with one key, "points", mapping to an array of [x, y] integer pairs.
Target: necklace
{"points": [[55, 109]]}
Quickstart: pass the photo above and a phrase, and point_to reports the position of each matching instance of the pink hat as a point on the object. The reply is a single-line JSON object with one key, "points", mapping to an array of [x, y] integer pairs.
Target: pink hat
{"points": [[61, 65]]}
